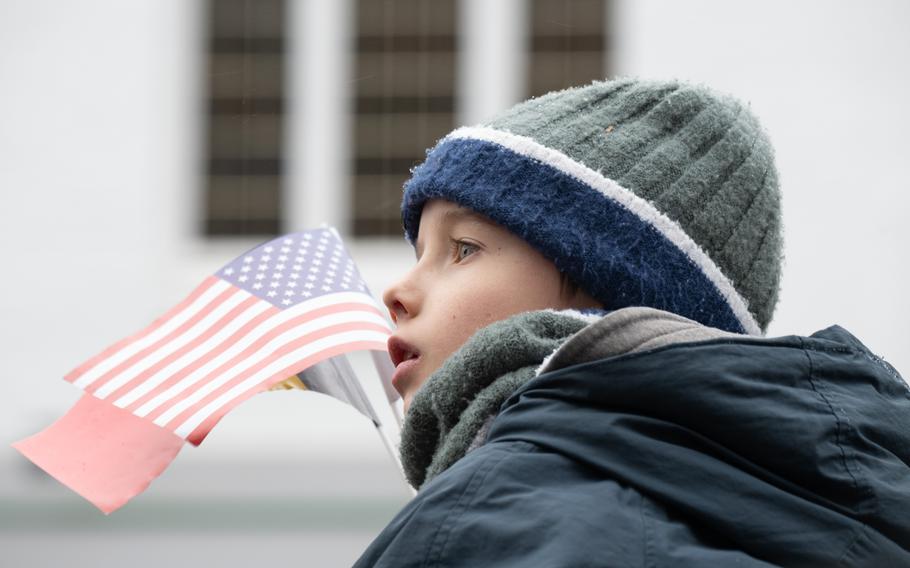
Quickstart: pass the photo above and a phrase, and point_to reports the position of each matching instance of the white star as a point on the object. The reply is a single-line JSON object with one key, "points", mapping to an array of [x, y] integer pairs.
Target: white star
{"points": [[228, 271], [243, 278], [286, 302], [245, 269], [268, 249], [311, 277], [248, 259], [308, 285], [263, 266], [285, 249], [326, 288], [308, 236], [295, 276], [276, 275], [305, 294], [288, 241], [292, 284], [319, 255], [279, 267], [265, 258], [298, 259], [257, 285], [282, 258], [274, 284], [260, 276], [271, 294], [345, 286], [330, 273], [288, 292], [314, 269], [317, 262], [346, 279]]}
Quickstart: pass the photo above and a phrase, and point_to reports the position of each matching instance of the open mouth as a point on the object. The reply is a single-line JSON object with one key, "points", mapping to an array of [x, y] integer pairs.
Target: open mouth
{"points": [[401, 351]]}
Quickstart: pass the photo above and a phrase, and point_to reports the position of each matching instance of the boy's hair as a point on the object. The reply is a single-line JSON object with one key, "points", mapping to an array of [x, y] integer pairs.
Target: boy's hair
{"points": [[567, 287], [645, 193]]}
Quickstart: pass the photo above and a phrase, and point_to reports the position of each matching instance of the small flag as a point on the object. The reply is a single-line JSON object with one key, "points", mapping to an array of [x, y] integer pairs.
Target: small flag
{"points": [[282, 308]]}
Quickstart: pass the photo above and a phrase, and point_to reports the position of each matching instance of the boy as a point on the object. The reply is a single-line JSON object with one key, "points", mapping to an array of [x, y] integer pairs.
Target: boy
{"points": [[579, 353]]}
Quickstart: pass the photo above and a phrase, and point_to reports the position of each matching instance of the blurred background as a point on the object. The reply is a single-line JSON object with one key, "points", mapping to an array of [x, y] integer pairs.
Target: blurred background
{"points": [[145, 143]]}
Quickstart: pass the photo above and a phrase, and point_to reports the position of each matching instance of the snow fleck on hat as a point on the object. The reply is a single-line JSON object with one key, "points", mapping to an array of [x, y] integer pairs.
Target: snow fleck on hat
{"points": [[660, 194]]}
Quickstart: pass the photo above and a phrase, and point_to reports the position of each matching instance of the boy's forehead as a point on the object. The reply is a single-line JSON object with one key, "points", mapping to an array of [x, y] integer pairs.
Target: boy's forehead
{"points": [[454, 213], [439, 214]]}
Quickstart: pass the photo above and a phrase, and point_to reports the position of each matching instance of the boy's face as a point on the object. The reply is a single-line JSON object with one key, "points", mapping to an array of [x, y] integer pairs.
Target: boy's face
{"points": [[470, 272]]}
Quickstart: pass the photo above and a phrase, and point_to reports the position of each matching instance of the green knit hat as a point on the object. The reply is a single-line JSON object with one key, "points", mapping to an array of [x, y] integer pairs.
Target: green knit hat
{"points": [[660, 194]]}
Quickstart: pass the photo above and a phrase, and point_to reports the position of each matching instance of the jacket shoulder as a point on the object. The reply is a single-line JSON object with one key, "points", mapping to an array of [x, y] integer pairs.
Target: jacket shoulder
{"points": [[513, 504]]}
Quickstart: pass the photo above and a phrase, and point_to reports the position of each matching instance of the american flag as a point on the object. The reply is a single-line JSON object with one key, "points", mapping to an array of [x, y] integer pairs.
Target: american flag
{"points": [[279, 315], [269, 314]]}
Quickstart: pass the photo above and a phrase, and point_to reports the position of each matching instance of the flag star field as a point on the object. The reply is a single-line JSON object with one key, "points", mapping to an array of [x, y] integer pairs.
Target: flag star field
{"points": [[295, 268]]}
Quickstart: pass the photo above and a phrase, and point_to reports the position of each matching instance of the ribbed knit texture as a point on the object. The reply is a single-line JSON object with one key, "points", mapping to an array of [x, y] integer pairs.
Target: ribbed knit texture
{"points": [[698, 157]]}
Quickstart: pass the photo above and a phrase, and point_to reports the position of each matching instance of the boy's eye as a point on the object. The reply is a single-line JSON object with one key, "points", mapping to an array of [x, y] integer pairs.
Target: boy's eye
{"points": [[463, 250]]}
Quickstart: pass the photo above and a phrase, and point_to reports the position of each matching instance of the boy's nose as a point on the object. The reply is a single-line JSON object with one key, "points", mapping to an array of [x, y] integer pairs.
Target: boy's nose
{"points": [[395, 300]]}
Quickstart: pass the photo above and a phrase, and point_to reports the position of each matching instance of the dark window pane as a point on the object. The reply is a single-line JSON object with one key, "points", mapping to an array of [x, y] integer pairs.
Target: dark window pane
{"points": [[567, 44], [245, 109], [403, 101]]}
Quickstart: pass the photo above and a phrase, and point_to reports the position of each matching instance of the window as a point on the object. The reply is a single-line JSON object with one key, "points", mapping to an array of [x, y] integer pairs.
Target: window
{"points": [[566, 44], [245, 117], [404, 84]]}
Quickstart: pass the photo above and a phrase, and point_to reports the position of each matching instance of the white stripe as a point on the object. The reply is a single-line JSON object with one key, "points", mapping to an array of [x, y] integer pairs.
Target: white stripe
{"points": [[200, 352], [176, 321], [265, 352], [199, 328], [187, 427], [254, 335], [525, 146]]}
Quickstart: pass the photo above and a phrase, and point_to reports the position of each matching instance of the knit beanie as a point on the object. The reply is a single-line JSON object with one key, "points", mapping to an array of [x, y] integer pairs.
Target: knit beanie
{"points": [[644, 193]]}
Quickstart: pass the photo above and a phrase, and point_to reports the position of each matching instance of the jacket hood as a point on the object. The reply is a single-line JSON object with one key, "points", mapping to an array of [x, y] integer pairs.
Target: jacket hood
{"points": [[794, 450]]}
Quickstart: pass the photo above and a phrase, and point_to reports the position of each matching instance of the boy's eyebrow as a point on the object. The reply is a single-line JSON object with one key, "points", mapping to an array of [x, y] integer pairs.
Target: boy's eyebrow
{"points": [[462, 214], [450, 217]]}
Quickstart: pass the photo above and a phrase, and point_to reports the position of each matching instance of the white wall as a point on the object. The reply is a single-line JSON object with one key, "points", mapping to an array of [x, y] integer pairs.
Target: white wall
{"points": [[830, 81], [98, 151]]}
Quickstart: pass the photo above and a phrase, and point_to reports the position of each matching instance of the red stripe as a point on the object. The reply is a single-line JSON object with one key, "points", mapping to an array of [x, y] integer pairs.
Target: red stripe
{"points": [[201, 431], [227, 344], [220, 299], [202, 338], [81, 369], [101, 452], [277, 354], [256, 346]]}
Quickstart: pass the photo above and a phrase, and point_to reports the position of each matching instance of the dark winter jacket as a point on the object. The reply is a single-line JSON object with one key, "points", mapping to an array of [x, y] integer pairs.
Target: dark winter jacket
{"points": [[733, 451]]}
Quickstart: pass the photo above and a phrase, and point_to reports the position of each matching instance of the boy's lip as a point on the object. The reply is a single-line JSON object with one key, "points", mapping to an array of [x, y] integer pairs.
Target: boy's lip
{"points": [[400, 350], [405, 357]]}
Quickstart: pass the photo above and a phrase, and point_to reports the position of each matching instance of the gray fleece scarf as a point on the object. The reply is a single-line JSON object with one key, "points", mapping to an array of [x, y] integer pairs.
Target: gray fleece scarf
{"points": [[449, 410], [452, 411]]}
